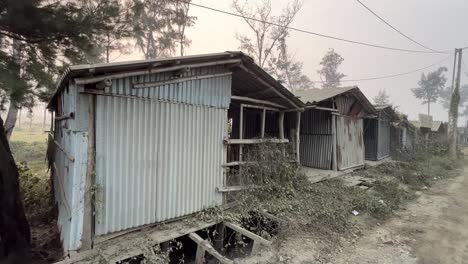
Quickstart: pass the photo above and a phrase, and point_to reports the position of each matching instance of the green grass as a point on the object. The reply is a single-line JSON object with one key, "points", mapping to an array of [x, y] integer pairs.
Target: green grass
{"points": [[30, 148]]}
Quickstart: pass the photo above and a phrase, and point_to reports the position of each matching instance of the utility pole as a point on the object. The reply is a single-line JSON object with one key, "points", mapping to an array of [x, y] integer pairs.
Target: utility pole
{"points": [[453, 110]]}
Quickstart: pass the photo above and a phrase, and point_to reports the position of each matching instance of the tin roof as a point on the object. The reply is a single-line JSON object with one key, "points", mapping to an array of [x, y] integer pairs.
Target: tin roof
{"points": [[436, 126], [425, 121], [388, 110], [247, 75], [314, 96]]}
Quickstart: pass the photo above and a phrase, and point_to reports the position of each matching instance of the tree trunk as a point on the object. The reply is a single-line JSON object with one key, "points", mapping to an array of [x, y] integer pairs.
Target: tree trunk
{"points": [[11, 120], [14, 228], [428, 108]]}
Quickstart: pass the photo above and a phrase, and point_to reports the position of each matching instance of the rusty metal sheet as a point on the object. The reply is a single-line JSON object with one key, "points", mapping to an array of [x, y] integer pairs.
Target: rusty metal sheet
{"points": [[349, 142]]}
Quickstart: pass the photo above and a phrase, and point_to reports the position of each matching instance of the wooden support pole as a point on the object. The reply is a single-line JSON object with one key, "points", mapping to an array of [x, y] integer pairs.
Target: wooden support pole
{"points": [[281, 125], [334, 141], [219, 237], [88, 211], [258, 240], [70, 115], [298, 136], [262, 132]]}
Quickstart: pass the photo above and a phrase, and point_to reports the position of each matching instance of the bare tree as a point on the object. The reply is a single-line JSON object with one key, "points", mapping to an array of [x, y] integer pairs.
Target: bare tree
{"points": [[266, 36], [288, 71], [183, 20], [382, 98]]}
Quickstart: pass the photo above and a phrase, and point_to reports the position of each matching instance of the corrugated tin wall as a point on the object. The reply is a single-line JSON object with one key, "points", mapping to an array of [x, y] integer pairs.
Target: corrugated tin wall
{"points": [[68, 177], [209, 91], [383, 149], [156, 160], [350, 145], [316, 148]]}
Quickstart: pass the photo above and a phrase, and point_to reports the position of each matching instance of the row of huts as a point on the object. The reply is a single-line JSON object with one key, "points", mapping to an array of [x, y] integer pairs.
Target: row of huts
{"points": [[137, 143]]}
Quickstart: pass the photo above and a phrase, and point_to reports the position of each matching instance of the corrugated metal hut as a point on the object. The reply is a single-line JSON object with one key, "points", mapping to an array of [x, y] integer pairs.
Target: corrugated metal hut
{"points": [[377, 133], [144, 142], [403, 133], [423, 126], [439, 131], [332, 127]]}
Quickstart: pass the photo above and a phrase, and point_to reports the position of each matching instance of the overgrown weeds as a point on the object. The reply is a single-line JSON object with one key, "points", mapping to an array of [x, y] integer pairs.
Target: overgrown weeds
{"points": [[324, 209]]}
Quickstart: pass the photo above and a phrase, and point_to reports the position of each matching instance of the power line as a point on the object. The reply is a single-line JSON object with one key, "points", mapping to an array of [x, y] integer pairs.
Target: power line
{"points": [[309, 32], [398, 31], [394, 75]]}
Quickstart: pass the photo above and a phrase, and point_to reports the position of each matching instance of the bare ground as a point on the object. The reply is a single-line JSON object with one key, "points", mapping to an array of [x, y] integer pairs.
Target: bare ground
{"points": [[431, 229]]}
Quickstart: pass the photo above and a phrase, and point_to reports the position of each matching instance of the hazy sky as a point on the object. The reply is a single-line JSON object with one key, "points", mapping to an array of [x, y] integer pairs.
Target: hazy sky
{"points": [[439, 24]]}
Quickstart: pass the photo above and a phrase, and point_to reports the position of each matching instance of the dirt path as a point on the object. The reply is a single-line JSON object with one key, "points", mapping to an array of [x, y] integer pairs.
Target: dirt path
{"points": [[433, 229]]}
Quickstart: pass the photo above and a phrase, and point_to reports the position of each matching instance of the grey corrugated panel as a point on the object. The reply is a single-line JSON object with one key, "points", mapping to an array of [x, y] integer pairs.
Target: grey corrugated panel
{"points": [[383, 146], [155, 160], [316, 151], [344, 104], [318, 95], [350, 145], [214, 91], [316, 122]]}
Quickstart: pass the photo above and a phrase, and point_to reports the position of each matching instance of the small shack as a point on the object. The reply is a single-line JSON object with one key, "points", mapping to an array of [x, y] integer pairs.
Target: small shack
{"points": [[377, 133], [439, 131], [133, 144], [403, 133], [423, 126], [331, 133]]}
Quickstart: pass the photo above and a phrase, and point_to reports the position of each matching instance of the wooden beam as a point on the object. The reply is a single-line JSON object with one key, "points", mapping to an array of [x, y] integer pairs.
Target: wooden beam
{"points": [[255, 141], [322, 108], [298, 136], [274, 89], [191, 78], [70, 115], [235, 188], [203, 246], [256, 238], [87, 80], [87, 236], [334, 142], [258, 101], [261, 107], [68, 155]]}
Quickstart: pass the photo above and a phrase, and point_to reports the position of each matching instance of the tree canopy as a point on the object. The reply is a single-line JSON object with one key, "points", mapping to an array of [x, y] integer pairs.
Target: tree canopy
{"points": [[329, 73], [430, 87]]}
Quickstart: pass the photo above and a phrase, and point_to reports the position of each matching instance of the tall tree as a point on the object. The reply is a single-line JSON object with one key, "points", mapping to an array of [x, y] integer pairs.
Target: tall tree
{"points": [[266, 37], [430, 87], [329, 72], [288, 71], [37, 39], [14, 229], [159, 25], [382, 98], [183, 20]]}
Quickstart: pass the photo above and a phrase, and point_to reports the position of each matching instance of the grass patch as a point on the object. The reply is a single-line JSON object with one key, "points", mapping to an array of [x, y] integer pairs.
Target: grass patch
{"points": [[324, 209]]}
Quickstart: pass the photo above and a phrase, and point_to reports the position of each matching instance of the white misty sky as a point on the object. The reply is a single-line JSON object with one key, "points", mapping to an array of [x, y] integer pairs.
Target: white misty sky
{"points": [[439, 24]]}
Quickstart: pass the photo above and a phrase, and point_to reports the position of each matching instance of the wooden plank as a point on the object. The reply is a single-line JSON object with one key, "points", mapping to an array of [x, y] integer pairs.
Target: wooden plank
{"points": [[70, 115], [255, 141], [191, 78], [322, 108], [235, 188], [200, 255], [87, 236], [87, 80], [234, 163], [334, 142], [68, 155], [258, 101], [262, 107], [209, 248], [248, 234]]}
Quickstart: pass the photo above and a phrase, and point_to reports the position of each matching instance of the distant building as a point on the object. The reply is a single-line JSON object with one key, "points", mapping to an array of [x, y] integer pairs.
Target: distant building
{"points": [[377, 132], [332, 127]]}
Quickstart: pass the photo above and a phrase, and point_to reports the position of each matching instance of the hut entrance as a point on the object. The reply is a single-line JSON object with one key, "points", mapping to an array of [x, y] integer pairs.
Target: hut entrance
{"points": [[349, 142]]}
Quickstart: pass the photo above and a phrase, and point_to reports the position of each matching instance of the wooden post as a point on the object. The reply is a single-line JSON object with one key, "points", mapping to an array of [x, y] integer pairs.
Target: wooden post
{"points": [[262, 133], [241, 136], [281, 125], [219, 237], [298, 133], [334, 141], [88, 221], [200, 256]]}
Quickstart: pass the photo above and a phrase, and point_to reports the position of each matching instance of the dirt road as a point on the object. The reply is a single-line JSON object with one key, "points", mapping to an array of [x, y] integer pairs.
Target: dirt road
{"points": [[433, 229]]}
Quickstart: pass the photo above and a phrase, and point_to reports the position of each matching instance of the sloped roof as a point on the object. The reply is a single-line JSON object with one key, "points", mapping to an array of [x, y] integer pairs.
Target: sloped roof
{"points": [[425, 121], [247, 74], [388, 110], [436, 126], [314, 96]]}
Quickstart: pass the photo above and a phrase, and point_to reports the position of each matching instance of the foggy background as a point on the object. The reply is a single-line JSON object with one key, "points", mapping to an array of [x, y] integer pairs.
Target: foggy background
{"points": [[441, 25]]}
